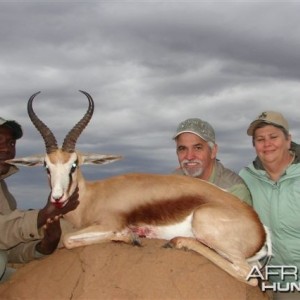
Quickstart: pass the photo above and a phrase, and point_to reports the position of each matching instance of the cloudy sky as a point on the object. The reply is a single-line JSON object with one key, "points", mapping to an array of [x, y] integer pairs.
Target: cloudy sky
{"points": [[148, 65]]}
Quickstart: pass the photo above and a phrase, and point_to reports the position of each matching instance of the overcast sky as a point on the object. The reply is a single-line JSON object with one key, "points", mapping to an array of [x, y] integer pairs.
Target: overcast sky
{"points": [[148, 65]]}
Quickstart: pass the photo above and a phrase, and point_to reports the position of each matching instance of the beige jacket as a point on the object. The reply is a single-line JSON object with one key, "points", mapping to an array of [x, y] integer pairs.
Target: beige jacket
{"points": [[18, 229]]}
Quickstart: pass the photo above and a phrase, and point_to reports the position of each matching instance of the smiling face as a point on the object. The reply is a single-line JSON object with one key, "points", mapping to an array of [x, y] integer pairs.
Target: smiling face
{"points": [[195, 156], [7, 147], [271, 144], [7, 143]]}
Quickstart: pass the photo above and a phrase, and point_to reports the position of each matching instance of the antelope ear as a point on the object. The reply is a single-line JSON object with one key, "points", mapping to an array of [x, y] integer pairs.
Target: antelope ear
{"points": [[29, 161], [98, 159]]}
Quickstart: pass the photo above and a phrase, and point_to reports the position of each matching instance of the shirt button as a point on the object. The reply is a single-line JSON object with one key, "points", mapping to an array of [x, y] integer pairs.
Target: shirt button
{"points": [[31, 235]]}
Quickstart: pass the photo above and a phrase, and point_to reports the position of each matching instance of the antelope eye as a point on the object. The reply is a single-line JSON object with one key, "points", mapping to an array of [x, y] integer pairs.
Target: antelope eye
{"points": [[73, 168]]}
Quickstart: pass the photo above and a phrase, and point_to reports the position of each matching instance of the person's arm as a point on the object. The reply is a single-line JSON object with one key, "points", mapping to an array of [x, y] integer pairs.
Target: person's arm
{"points": [[25, 226], [52, 233], [48, 219], [18, 226], [23, 252], [27, 251]]}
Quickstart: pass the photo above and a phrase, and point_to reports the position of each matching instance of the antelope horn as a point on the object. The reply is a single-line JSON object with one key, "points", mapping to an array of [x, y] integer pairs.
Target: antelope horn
{"points": [[46, 133], [71, 138]]}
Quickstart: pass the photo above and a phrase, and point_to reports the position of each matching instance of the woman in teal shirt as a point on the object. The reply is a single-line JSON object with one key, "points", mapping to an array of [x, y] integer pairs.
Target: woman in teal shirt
{"points": [[274, 182]]}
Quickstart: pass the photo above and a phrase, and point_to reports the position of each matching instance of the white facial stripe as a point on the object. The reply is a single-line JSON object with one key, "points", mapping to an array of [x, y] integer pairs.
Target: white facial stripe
{"points": [[60, 177]]}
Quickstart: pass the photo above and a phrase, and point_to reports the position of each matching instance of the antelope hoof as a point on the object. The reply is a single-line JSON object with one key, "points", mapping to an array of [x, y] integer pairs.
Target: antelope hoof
{"points": [[174, 243], [136, 241]]}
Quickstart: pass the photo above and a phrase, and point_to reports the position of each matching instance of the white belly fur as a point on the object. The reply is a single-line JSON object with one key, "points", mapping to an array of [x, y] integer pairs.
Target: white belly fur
{"points": [[166, 232]]}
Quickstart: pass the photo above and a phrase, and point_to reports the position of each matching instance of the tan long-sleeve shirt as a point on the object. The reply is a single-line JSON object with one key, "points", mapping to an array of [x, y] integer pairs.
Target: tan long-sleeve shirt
{"points": [[18, 229]]}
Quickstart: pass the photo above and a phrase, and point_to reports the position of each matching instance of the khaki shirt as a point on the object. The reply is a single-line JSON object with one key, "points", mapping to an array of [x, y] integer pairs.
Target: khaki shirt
{"points": [[229, 181], [18, 229]]}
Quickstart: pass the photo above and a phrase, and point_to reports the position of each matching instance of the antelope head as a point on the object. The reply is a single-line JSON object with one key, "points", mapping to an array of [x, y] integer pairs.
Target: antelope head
{"points": [[62, 164]]}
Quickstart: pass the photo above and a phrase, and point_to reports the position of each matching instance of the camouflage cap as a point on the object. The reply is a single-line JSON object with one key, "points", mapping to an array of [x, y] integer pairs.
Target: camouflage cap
{"points": [[196, 126]]}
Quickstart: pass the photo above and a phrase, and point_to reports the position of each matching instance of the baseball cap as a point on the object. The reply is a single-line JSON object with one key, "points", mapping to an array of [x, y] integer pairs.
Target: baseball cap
{"points": [[14, 126], [196, 126], [268, 117]]}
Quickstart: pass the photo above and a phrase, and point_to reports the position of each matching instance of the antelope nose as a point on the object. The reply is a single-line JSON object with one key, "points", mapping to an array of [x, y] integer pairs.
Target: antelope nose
{"points": [[56, 198]]}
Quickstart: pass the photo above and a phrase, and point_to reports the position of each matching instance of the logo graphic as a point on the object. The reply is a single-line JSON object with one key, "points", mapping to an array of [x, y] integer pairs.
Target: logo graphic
{"points": [[263, 115], [289, 274]]}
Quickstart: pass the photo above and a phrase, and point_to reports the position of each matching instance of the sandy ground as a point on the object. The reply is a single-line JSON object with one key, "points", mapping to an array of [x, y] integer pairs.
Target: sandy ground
{"points": [[120, 271]]}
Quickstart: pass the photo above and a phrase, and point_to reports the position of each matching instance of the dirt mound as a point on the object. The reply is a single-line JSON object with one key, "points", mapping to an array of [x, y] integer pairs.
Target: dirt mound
{"points": [[120, 271]]}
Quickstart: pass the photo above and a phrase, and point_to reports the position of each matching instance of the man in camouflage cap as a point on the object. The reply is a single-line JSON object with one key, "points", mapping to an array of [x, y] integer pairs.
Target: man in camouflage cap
{"points": [[196, 150]]}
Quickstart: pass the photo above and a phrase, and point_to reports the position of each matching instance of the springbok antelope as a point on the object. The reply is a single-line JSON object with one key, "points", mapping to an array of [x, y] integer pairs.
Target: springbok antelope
{"points": [[189, 212]]}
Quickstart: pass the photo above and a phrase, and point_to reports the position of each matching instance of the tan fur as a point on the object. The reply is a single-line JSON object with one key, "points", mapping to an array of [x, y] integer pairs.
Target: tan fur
{"points": [[211, 221], [220, 220], [224, 229]]}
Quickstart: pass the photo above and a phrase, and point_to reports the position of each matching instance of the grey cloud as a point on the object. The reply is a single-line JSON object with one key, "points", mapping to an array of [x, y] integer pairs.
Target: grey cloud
{"points": [[148, 65]]}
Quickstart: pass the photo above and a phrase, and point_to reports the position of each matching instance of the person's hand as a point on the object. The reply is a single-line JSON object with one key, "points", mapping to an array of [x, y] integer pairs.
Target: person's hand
{"points": [[52, 233], [50, 211]]}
